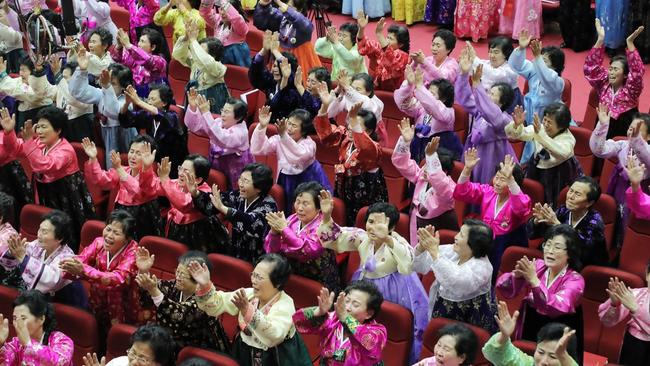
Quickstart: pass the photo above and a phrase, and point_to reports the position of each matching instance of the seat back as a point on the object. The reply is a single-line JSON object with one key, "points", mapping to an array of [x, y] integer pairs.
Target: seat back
{"points": [[277, 192], [81, 327], [461, 122], [179, 76], [198, 144], [99, 196], [508, 261], [606, 173], [254, 39], [566, 92], [30, 219], [7, 297], [304, 293], [399, 326], [395, 181], [591, 115], [430, 338], [597, 338], [90, 230], [581, 150], [634, 252], [391, 117], [118, 340], [534, 189], [338, 213], [215, 359], [220, 179], [167, 253], [237, 80]]}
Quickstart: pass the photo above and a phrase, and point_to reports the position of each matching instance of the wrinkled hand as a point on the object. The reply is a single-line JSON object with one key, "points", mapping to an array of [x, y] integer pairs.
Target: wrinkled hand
{"points": [[419, 78], [600, 30], [240, 300], [277, 222], [505, 321], [409, 75], [82, 58], [603, 113], [537, 125], [192, 99], [333, 35], [507, 166], [407, 131], [116, 160], [17, 247], [343, 80], [285, 68], [22, 332], [519, 116], [432, 146], [147, 157], [164, 169], [264, 116], [362, 19], [55, 64], [147, 282], [215, 197], [471, 158], [200, 273], [561, 347], [536, 47], [635, 171], [282, 126], [72, 266], [191, 184], [28, 131], [525, 268], [352, 114], [612, 288], [91, 360], [326, 205], [429, 240], [417, 57], [524, 38], [632, 37], [7, 121], [325, 301], [464, 61], [297, 78], [326, 97], [380, 26], [143, 260], [341, 313], [476, 76], [105, 79], [203, 103]]}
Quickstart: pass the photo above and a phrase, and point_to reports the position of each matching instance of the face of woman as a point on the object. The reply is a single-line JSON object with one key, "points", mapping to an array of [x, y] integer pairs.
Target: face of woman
{"points": [[616, 74], [155, 100], [114, 237], [34, 324], [392, 40], [305, 208], [66, 73], [439, 49], [556, 256], [497, 58], [644, 129], [550, 126], [24, 73], [246, 188], [356, 304], [377, 225], [500, 183], [346, 39], [360, 87], [141, 354], [95, 45], [145, 44], [187, 167], [461, 247], [545, 354], [46, 134], [495, 95], [275, 70], [312, 83], [228, 115], [263, 288], [184, 280], [445, 352], [294, 128], [46, 236]]}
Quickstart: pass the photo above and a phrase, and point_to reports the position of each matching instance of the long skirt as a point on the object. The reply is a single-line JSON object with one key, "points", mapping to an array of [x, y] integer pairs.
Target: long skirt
{"points": [[361, 190], [639, 14], [613, 17], [307, 58], [372, 8], [322, 269], [577, 24], [474, 19], [14, 182], [78, 128], [231, 165], [292, 351], [440, 12], [448, 140], [216, 94], [237, 54], [410, 11], [407, 291], [70, 195], [147, 217], [313, 173], [533, 322], [208, 234], [635, 352], [556, 178], [479, 311]]}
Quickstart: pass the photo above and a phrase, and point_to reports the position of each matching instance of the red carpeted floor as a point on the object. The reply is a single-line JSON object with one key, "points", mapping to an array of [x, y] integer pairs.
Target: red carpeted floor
{"points": [[421, 35]]}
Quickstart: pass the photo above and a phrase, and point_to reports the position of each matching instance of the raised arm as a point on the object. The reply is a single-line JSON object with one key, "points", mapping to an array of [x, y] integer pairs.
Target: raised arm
{"points": [[598, 142], [561, 302]]}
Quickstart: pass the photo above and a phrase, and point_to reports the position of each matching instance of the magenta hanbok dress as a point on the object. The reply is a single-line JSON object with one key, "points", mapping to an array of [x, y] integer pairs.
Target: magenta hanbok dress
{"points": [[516, 15], [58, 352], [307, 256], [147, 68], [141, 15], [639, 203], [488, 134], [448, 69], [347, 343]]}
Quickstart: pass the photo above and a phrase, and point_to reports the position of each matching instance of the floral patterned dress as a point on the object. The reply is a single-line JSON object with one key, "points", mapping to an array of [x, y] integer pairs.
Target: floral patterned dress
{"points": [[474, 18], [57, 351]]}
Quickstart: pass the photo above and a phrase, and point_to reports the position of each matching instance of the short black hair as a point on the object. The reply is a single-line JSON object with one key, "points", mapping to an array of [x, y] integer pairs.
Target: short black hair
{"points": [[125, 219], [321, 74], [560, 113], [7, 207], [201, 165], [555, 331], [402, 35], [645, 118], [351, 28], [623, 60], [306, 122], [502, 43], [195, 361], [262, 177], [166, 93], [214, 47], [62, 224], [445, 91], [387, 209], [195, 255], [123, 74], [239, 108], [507, 95], [448, 37], [517, 173], [375, 297], [55, 116], [312, 188], [39, 306], [105, 37], [291, 59], [281, 269], [368, 83], [466, 340], [71, 65], [160, 342], [573, 246], [479, 237], [369, 122], [556, 56], [156, 40], [446, 158], [142, 139], [594, 187], [26, 61]]}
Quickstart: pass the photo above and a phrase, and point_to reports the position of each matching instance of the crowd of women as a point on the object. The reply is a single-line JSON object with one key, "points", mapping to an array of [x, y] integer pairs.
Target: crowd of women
{"points": [[110, 93]]}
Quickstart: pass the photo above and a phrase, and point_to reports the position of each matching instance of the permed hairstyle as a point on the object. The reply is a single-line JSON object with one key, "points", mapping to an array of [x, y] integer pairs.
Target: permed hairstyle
{"points": [[166, 93], [387, 209], [262, 177], [125, 219], [375, 298], [466, 341], [445, 91], [594, 187], [306, 122], [55, 116], [321, 74], [402, 36], [62, 224], [560, 113], [351, 28], [312, 188], [281, 269], [142, 139], [448, 37], [201, 165], [195, 255], [105, 37], [556, 56], [368, 83], [159, 340], [507, 95], [502, 43], [239, 108], [555, 331], [122, 74], [38, 306], [156, 40], [572, 243], [214, 47]]}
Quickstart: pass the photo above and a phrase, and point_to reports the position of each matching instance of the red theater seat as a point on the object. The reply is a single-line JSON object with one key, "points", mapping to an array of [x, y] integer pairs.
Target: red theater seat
{"points": [[90, 230], [179, 75], [7, 297], [99, 196], [338, 213], [81, 327], [254, 39], [510, 257], [395, 181], [167, 253], [304, 293], [215, 359], [218, 178], [566, 93], [591, 115], [634, 252], [461, 123], [534, 189], [430, 338], [391, 116], [399, 325], [30, 219], [198, 144], [119, 340], [277, 192]]}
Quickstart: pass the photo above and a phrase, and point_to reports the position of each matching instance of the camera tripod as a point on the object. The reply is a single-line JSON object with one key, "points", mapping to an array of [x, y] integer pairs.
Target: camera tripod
{"points": [[319, 17]]}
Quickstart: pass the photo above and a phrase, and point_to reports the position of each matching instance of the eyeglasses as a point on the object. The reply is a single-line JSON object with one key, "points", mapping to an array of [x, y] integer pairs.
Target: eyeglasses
{"points": [[130, 353], [257, 277], [551, 247]]}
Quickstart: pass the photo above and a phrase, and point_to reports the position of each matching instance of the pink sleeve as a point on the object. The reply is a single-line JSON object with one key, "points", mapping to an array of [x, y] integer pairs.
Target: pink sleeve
{"points": [[509, 285], [638, 202], [441, 114], [300, 152], [10, 143], [641, 148], [237, 22], [208, 12], [611, 315], [131, 184], [521, 204], [470, 192], [195, 122], [407, 103], [262, 144], [308, 324], [443, 185], [228, 138], [148, 180], [634, 82], [117, 54], [58, 351], [401, 159], [564, 301], [117, 277], [272, 243], [151, 62], [56, 160], [305, 247], [96, 176], [367, 340], [593, 69], [10, 352], [182, 201], [448, 70]]}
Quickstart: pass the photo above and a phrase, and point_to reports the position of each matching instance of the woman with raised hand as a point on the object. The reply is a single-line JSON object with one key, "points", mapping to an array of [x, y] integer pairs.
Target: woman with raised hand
{"points": [[268, 336], [36, 341], [638, 201], [13, 180], [456, 346], [230, 24], [556, 344]]}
